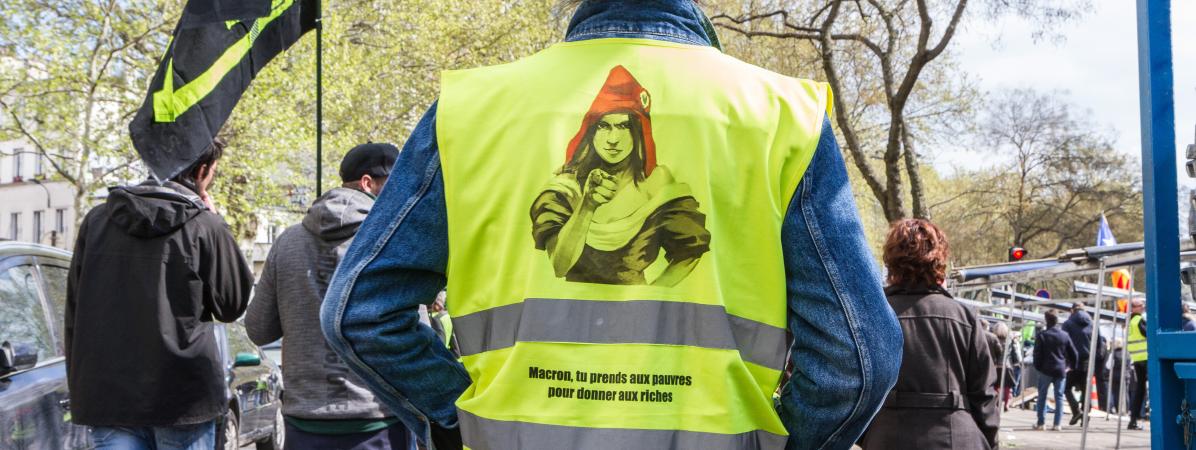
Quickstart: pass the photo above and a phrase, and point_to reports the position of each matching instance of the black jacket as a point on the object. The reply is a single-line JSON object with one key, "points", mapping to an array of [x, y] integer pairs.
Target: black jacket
{"points": [[944, 396], [1102, 358], [1054, 353], [1078, 327], [151, 271]]}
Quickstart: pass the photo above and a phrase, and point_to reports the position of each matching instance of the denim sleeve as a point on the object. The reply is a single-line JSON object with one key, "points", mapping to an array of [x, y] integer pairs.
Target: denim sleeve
{"points": [[397, 261], [847, 344]]}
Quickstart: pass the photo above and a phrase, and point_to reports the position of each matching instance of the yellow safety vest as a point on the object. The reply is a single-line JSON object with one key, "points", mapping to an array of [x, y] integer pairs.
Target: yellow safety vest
{"points": [[1136, 344], [614, 219], [446, 326]]}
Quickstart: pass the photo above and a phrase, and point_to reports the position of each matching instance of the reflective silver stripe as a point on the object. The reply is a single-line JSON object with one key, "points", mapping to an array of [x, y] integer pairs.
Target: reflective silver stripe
{"points": [[479, 433], [621, 322]]}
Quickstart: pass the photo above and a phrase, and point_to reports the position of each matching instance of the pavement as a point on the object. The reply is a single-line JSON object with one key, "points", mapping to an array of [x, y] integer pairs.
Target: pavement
{"points": [[1017, 432]]}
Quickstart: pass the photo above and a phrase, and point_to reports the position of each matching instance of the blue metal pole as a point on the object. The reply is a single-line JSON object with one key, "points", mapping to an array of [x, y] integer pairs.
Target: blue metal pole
{"points": [[1161, 218]]}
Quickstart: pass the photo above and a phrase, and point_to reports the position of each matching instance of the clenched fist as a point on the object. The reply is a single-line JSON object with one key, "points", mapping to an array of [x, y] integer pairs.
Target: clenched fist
{"points": [[600, 188]]}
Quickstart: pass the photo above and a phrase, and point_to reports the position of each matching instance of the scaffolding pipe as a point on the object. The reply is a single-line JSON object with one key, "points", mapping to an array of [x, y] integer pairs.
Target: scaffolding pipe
{"points": [[1125, 345], [1005, 369], [1109, 383], [1086, 412]]}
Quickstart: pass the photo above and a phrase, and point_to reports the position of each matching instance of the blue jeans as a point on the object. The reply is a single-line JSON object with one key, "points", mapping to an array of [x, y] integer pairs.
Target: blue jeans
{"points": [[200, 436], [1045, 381]]}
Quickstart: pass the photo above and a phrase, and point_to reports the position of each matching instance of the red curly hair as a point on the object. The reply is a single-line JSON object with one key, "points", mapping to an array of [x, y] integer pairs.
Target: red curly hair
{"points": [[916, 253]]}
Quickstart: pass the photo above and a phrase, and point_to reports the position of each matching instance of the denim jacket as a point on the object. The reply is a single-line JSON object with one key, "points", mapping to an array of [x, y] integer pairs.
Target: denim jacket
{"points": [[846, 348]]}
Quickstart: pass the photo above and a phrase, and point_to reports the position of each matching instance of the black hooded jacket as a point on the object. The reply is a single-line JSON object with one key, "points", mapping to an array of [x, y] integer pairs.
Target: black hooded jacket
{"points": [[152, 270]]}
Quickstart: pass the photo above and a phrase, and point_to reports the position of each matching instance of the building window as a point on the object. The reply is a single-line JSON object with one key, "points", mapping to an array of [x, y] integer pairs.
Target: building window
{"points": [[60, 221], [14, 226], [16, 163], [37, 226], [39, 166]]}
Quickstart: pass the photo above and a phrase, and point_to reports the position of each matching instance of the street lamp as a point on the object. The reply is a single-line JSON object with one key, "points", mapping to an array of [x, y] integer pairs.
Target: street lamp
{"points": [[39, 183]]}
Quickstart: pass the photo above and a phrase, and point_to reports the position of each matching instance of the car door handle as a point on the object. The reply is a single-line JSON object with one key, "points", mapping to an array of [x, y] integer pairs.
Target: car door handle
{"points": [[65, 404]]}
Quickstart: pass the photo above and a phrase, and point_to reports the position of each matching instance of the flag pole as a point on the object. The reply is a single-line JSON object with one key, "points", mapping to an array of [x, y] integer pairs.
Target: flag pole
{"points": [[319, 97]]}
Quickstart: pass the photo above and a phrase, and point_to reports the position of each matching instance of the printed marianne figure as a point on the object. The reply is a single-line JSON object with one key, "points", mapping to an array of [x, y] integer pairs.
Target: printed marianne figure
{"points": [[610, 210]]}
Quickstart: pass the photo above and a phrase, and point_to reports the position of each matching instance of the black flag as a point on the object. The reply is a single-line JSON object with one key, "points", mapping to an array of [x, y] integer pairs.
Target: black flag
{"points": [[217, 49], [198, 13]]}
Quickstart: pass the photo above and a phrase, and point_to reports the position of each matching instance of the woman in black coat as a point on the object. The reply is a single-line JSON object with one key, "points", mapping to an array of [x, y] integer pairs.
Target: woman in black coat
{"points": [[944, 396]]}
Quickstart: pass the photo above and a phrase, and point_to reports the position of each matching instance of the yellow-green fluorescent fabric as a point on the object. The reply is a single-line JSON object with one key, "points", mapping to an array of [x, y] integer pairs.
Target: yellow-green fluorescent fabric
{"points": [[1136, 344], [446, 324], [614, 217]]}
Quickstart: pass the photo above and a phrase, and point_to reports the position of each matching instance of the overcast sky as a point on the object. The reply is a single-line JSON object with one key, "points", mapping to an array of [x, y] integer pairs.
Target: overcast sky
{"points": [[1097, 65]]}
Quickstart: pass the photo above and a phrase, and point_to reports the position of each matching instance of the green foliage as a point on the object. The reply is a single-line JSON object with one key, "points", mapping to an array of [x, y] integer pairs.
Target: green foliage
{"points": [[382, 64], [72, 73]]}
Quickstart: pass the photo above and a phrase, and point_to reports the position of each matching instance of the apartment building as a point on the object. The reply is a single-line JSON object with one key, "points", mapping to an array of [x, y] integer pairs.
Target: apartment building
{"points": [[33, 209]]}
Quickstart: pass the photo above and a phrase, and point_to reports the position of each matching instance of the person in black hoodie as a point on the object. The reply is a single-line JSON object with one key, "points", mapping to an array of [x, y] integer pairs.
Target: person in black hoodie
{"points": [[154, 267], [1078, 327]]}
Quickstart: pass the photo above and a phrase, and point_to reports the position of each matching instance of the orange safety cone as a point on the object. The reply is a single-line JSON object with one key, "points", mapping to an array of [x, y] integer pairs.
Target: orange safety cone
{"points": [[1094, 400]]}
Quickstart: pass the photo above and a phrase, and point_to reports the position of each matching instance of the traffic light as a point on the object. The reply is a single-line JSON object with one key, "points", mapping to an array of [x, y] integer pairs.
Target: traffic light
{"points": [[1016, 254]]}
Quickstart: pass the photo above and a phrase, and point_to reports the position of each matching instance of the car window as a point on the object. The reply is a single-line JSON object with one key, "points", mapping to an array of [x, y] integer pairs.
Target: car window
{"points": [[238, 340], [55, 278], [22, 318]]}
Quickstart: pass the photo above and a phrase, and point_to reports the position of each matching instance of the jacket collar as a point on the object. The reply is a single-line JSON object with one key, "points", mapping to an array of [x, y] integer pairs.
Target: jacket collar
{"points": [[666, 20], [182, 188], [917, 290]]}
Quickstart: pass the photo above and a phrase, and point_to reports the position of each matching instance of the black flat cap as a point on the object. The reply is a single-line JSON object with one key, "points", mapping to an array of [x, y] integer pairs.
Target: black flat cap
{"points": [[374, 159]]}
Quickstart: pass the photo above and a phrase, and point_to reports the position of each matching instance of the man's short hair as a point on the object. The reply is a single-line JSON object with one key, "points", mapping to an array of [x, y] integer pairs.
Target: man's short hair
{"points": [[210, 155], [1052, 318], [1077, 306]]}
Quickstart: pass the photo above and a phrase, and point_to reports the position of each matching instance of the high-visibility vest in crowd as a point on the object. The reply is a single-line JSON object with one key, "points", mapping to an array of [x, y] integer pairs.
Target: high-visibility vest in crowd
{"points": [[614, 221], [446, 326], [1136, 344]]}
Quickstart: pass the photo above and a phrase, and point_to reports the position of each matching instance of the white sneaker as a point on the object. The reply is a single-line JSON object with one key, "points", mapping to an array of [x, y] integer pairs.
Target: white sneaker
{"points": [[1057, 428]]}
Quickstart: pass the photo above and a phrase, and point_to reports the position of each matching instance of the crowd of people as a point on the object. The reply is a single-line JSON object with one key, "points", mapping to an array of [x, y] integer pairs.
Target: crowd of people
{"points": [[956, 363], [619, 321]]}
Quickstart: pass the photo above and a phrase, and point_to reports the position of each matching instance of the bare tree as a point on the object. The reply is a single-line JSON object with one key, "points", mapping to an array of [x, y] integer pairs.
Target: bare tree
{"points": [[1053, 175], [878, 57]]}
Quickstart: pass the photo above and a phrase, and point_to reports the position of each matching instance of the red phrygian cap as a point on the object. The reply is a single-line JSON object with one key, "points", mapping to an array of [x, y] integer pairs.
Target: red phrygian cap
{"points": [[620, 94]]}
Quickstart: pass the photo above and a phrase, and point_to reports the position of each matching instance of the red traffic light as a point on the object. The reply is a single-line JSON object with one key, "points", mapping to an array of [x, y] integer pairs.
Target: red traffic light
{"points": [[1016, 253]]}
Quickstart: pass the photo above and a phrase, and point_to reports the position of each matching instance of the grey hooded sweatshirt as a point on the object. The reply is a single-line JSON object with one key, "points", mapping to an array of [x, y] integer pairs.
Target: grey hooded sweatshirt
{"points": [[286, 302]]}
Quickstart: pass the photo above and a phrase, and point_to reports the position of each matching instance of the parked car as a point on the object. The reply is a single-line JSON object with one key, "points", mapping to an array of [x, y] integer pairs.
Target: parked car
{"points": [[34, 403], [255, 394], [273, 351]]}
